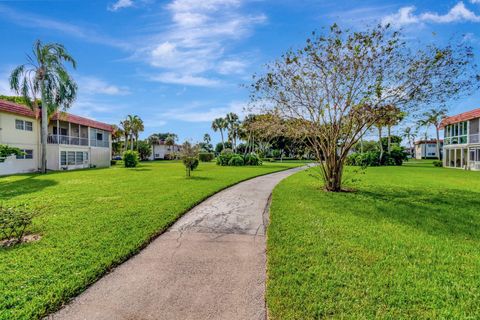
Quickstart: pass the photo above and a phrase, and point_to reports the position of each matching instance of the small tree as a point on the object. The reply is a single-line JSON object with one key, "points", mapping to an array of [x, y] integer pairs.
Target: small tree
{"points": [[14, 220], [144, 150], [334, 87], [189, 157], [6, 151]]}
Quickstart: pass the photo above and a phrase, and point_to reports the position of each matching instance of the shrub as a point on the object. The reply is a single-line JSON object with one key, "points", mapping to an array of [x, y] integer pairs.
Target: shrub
{"points": [[366, 159], [438, 163], [14, 220], [189, 156], [113, 162], [236, 160], [131, 159], [224, 158], [206, 156], [252, 160], [6, 151], [144, 150]]}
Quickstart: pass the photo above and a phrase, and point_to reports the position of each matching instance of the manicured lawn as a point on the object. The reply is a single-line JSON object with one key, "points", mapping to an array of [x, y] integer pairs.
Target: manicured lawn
{"points": [[405, 245], [94, 219]]}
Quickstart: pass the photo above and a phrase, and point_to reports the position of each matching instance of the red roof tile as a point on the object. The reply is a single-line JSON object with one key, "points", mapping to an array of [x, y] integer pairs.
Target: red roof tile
{"points": [[469, 115], [19, 109], [432, 141]]}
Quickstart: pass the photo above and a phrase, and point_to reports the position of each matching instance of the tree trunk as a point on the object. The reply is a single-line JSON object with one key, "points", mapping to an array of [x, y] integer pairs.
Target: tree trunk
{"points": [[223, 141], [389, 139], [438, 143], [44, 131], [131, 142], [380, 142]]}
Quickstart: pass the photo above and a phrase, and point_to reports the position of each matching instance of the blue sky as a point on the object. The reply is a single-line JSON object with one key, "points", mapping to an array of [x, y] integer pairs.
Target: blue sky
{"points": [[180, 63]]}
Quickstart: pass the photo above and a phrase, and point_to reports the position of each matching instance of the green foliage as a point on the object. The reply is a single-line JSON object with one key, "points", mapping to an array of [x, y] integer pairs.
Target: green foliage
{"points": [[372, 158], [437, 163], [219, 146], [252, 159], [144, 150], [224, 157], [206, 156], [6, 151], [189, 156], [14, 220], [113, 162], [236, 160], [131, 159], [16, 99]]}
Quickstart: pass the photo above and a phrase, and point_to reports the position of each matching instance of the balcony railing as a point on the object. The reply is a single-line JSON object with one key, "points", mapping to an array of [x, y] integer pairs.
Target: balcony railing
{"points": [[59, 139], [99, 143]]}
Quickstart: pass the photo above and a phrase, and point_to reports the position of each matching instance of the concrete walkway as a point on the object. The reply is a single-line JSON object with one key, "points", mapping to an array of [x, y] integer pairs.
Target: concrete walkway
{"points": [[208, 265]]}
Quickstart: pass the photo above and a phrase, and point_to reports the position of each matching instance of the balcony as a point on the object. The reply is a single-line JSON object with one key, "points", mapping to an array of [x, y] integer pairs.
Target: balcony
{"points": [[69, 140]]}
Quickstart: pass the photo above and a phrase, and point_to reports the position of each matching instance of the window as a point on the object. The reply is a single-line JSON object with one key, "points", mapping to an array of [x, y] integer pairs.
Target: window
{"points": [[19, 124], [79, 158], [23, 125], [27, 154], [28, 126], [99, 136], [63, 158], [456, 133], [71, 158]]}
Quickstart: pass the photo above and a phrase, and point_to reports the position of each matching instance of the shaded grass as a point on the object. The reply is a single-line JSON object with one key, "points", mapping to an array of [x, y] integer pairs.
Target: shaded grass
{"points": [[92, 220], [405, 245]]}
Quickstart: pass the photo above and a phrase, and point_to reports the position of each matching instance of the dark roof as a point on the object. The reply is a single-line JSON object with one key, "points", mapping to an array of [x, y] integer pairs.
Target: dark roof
{"points": [[10, 107], [469, 115]]}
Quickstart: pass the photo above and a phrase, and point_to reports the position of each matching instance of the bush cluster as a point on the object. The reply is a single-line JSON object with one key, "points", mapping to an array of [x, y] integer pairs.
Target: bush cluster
{"points": [[438, 163], [206, 156], [372, 158], [113, 162], [131, 159], [14, 220], [228, 158]]}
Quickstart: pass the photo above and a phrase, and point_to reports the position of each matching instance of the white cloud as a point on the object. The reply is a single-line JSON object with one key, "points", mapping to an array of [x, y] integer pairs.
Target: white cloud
{"points": [[406, 16], [198, 113], [120, 4], [28, 20], [93, 85], [185, 79], [197, 39]]}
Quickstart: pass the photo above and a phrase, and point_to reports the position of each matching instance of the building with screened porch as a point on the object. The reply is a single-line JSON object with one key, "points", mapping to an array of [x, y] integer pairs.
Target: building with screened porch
{"points": [[73, 142], [462, 140]]}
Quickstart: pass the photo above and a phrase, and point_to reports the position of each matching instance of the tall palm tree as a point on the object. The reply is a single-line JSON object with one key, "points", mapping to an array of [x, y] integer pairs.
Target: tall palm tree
{"points": [[410, 135], [45, 76], [170, 142], [434, 117], [153, 139], [233, 124], [127, 129], [136, 127], [219, 124]]}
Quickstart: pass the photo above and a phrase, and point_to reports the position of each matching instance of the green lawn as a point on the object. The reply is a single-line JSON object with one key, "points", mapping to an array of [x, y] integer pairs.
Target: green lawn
{"points": [[405, 245], [92, 220]]}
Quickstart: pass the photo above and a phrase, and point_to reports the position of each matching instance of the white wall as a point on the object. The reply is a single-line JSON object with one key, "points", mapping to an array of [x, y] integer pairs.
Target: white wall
{"points": [[22, 139], [100, 157]]}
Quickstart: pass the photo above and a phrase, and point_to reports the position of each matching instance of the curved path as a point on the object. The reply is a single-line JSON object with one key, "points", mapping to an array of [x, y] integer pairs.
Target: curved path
{"points": [[209, 265]]}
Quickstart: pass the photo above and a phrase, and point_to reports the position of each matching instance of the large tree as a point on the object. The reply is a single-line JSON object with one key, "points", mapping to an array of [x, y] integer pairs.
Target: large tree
{"points": [[44, 83], [233, 125], [336, 85]]}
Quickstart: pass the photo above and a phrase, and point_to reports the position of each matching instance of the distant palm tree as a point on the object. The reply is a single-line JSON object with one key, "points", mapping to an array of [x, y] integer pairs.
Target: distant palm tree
{"points": [[117, 133], [434, 117], [127, 129], [410, 135], [207, 138], [233, 124], [137, 127], [219, 124], [170, 142], [44, 76], [153, 139]]}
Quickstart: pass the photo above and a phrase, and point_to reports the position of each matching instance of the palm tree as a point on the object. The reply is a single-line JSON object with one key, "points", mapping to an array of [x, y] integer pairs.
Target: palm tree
{"points": [[207, 138], [434, 117], [233, 125], [136, 128], [410, 135], [127, 129], [219, 124], [45, 76], [170, 142], [117, 133], [153, 139]]}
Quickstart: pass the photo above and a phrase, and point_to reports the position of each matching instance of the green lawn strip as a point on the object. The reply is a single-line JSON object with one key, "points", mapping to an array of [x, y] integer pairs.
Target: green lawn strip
{"points": [[405, 245], [92, 220]]}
